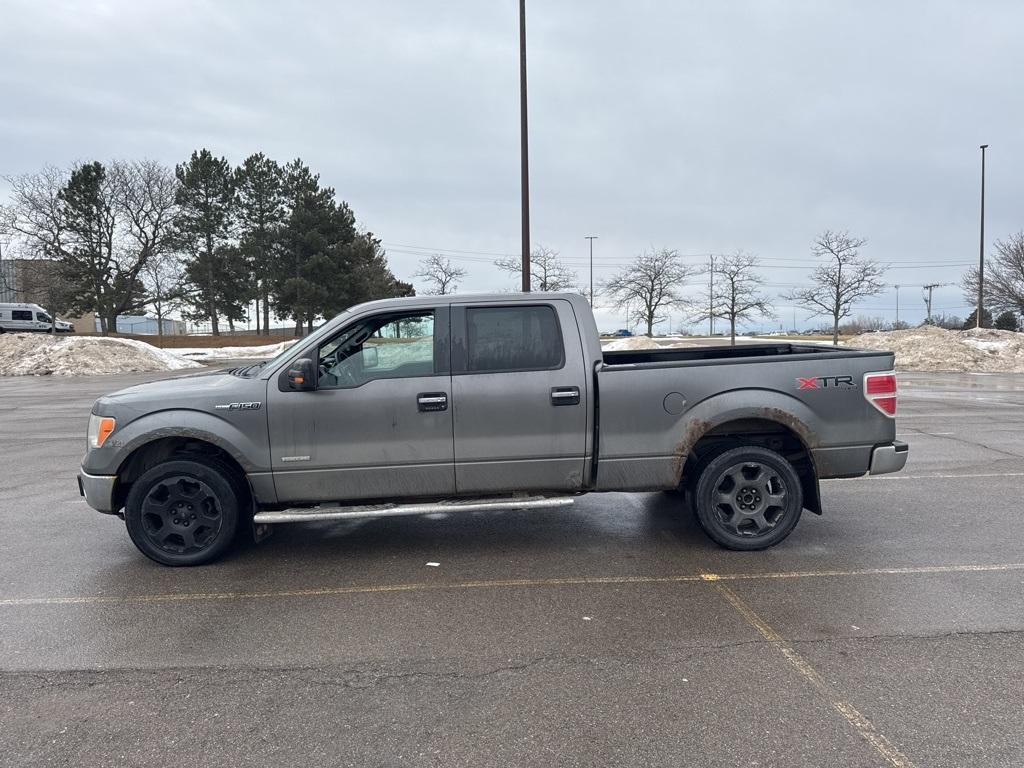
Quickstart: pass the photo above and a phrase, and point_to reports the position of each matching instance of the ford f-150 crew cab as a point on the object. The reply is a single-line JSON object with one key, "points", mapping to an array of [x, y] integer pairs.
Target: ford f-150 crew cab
{"points": [[467, 403]]}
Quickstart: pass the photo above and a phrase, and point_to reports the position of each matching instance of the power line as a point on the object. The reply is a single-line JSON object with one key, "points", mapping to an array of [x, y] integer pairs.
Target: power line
{"points": [[697, 257]]}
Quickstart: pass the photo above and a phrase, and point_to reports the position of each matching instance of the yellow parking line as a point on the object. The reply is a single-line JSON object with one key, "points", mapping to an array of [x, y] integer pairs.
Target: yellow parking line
{"points": [[179, 597], [864, 727], [903, 571]]}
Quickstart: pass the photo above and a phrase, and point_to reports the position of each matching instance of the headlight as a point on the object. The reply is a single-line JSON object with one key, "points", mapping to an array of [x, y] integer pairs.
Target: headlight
{"points": [[100, 428]]}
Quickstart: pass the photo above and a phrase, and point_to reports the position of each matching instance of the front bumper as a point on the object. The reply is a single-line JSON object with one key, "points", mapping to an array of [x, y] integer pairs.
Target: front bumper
{"points": [[889, 458], [98, 491]]}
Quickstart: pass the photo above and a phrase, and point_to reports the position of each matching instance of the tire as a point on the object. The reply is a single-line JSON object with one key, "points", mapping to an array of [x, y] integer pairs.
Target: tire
{"points": [[184, 513], [748, 498]]}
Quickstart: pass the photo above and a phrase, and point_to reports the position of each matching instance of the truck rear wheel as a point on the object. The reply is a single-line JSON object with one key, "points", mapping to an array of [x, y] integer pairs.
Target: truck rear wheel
{"points": [[748, 498], [183, 512]]}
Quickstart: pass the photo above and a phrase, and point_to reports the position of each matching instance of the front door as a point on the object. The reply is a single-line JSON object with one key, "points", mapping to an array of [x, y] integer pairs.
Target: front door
{"points": [[379, 424]]}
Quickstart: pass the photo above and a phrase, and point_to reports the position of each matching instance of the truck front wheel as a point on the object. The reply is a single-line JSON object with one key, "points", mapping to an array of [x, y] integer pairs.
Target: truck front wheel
{"points": [[183, 512], [748, 498]]}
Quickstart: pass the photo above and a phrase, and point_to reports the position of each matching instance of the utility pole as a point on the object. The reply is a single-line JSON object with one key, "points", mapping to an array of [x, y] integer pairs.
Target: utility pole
{"points": [[591, 238], [928, 301], [981, 245], [524, 153], [711, 297], [897, 307]]}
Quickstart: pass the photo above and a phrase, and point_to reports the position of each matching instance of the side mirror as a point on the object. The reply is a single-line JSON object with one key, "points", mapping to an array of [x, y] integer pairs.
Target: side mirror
{"points": [[370, 359], [302, 375]]}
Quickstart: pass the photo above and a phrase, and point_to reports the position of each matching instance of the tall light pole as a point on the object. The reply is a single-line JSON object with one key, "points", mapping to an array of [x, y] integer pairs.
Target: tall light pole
{"points": [[711, 297], [981, 246], [897, 307], [524, 153], [591, 238]]}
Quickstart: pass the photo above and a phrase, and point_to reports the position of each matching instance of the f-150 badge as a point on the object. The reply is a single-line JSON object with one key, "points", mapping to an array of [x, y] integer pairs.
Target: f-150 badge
{"points": [[254, 406]]}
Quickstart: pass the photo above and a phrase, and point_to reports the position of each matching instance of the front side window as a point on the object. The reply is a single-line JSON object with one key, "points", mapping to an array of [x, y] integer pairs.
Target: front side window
{"points": [[512, 339], [42, 318], [382, 347]]}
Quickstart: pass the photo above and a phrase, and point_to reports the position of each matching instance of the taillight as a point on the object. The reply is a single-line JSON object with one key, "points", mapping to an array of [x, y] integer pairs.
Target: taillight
{"points": [[880, 391]]}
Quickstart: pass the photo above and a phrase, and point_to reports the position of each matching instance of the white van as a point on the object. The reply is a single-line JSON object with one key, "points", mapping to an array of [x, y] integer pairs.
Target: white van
{"points": [[18, 318]]}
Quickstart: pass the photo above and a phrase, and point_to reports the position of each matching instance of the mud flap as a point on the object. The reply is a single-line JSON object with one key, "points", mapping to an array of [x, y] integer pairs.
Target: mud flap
{"points": [[260, 531]]}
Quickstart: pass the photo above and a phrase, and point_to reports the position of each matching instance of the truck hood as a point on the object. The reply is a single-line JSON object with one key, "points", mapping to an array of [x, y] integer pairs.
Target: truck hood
{"points": [[197, 392]]}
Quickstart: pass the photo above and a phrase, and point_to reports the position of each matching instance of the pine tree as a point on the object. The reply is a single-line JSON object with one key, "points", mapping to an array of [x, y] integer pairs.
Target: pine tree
{"points": [[206, 197], [1007, 321], [99, 274], [312, 227], [260, 183], [972, 319], [325, 265]]}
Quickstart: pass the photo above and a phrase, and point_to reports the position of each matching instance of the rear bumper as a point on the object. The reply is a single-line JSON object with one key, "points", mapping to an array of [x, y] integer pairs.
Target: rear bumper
{"points": [[98, 491], [889, 458]]}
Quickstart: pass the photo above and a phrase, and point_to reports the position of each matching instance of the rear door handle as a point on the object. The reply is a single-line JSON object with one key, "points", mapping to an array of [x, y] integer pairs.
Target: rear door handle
{"points": [[565, 395], [432, 401]]}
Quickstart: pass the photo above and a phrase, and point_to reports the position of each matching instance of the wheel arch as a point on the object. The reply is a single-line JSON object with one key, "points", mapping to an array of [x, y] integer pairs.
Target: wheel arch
{"points": [[787, 437], [167, 448]]}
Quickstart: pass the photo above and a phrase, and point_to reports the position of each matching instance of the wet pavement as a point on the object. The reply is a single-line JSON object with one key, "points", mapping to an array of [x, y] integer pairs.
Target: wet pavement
{"points": [[886, 633]]}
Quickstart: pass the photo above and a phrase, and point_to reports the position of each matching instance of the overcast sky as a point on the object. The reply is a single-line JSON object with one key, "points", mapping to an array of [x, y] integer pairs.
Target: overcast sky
{"points": [[700, 126]]}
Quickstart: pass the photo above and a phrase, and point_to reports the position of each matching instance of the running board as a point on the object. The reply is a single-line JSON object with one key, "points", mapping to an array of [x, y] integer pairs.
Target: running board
{"points": [[306, 514]]}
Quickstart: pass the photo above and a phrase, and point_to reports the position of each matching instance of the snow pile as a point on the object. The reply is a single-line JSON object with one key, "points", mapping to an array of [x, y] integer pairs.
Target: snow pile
{"points": [[630, 343], [929, 348], [34, 354], [393, 354], [264, 352]]}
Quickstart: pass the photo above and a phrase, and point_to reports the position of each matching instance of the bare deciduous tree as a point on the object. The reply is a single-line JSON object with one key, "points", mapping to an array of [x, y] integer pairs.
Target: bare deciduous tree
{"points": [[651, 285], [547, 272], [864, 324], [737, 292], [34, 225], [1004, 278], [166, 286], [842, 280], [143, 193], [442, 276], [92, 231]]}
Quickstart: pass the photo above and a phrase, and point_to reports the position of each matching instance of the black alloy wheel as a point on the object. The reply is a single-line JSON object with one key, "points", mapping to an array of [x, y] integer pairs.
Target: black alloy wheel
{"points": [[183, 512], [748, 498]]}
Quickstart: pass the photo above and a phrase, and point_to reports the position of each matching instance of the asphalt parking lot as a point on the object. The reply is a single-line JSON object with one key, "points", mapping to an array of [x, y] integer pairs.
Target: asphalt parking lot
{"points": [[889, 632]]}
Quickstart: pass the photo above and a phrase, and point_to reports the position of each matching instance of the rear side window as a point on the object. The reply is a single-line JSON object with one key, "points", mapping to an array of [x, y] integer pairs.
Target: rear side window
{"points": [[21, 314], [513, 339]]}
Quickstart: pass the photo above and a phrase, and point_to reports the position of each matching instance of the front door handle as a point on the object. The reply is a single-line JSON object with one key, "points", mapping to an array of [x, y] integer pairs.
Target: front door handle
{"points": [[565, 395], [432, 401]]}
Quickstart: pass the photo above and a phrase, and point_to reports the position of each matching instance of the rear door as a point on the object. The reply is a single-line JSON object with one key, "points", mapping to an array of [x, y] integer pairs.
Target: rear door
{"points": [[520, 396]]}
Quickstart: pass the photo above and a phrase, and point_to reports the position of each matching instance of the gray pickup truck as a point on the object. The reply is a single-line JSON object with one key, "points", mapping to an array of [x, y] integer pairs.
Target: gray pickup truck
{"points": [[468, 403]]}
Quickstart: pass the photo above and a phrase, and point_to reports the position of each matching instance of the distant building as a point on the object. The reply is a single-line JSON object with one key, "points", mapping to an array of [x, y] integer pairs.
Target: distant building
{"points": [[29, 281], [8, 292], [142, 325], [35, 281]]}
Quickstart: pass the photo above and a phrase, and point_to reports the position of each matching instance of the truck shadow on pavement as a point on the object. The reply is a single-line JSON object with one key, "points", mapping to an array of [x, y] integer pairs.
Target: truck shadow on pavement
{"points": [[630, 522]]}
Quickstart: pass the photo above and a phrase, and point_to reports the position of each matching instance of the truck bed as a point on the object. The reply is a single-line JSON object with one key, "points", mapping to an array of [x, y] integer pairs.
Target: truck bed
{"points": [[652, 401], [740, 351]]}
